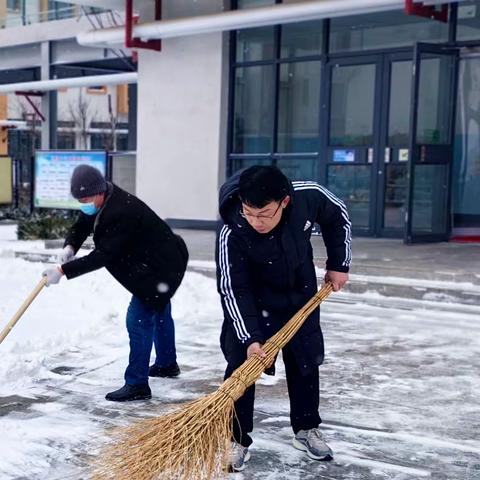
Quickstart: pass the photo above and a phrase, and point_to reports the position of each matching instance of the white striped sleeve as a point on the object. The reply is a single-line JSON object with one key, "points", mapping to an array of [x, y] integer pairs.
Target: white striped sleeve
{"points": [[226, 289], [347, 227]]}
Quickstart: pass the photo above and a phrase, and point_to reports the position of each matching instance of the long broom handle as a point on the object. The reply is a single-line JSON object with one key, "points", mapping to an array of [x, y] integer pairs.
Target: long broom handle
{"points": [[251, 369], [22, 308], [286, 333]]}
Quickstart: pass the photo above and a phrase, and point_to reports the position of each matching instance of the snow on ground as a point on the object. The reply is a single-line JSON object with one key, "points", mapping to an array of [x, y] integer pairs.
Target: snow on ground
{"points": [[400, 385]]}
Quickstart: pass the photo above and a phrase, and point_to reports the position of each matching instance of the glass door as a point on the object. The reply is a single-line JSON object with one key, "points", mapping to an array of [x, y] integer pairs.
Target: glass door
{"points": [[392, 170], [434, 77], [466, 157], [352, 138]]}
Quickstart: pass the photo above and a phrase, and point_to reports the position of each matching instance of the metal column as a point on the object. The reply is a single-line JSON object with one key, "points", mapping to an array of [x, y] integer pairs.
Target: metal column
{"points": [[132, 117], [49, 101]]}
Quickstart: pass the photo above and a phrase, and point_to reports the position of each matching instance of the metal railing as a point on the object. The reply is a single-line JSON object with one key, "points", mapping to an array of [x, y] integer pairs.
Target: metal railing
{"points": [[29, 13]]}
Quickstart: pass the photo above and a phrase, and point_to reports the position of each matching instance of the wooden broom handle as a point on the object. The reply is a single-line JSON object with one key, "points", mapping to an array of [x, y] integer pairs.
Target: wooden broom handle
{"points": [[22, 309]]}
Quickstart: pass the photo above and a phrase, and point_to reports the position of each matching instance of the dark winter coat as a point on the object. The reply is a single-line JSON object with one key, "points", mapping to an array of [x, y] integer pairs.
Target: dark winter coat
{"points": [[134, 244], [264, 279]]}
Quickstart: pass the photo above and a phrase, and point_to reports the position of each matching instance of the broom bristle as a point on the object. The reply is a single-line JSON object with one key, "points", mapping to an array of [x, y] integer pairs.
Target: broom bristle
{"points": [[193, 442]]}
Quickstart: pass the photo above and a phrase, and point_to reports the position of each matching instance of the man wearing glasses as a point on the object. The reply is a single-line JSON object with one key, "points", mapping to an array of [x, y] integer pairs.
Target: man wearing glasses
{"points": [[265, 274]]}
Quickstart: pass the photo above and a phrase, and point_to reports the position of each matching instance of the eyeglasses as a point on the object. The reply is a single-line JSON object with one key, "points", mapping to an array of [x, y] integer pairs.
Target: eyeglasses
{"points": [[261, 217]]}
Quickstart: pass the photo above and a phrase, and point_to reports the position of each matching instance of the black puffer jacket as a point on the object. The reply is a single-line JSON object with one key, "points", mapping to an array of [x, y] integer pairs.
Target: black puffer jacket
{"points": [[264, 279], [134, 244]]}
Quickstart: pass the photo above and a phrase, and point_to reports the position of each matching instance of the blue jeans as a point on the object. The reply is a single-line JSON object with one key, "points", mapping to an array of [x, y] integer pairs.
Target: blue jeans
{"points": [[146, 327]]}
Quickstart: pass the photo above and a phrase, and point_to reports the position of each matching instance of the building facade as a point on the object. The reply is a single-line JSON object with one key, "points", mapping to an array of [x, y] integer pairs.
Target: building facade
{"points": [[332, 100], [328, 100], [381, 108], [38, 43]]}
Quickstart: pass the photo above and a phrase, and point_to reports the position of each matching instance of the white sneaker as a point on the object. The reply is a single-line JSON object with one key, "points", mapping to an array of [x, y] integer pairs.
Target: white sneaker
{"points": [[239, 455], [311, 441]]}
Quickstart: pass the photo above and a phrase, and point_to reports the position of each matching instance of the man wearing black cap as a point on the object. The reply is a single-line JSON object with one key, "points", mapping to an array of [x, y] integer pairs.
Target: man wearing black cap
{"points": [[140, 250]]}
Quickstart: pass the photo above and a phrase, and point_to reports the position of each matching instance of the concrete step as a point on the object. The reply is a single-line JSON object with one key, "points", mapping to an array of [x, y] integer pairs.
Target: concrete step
{"points": [[415, 286], [397, 270]]}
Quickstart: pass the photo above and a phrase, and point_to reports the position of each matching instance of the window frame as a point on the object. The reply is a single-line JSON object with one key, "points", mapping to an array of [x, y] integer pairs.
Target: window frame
{"points": [[274, 156]]}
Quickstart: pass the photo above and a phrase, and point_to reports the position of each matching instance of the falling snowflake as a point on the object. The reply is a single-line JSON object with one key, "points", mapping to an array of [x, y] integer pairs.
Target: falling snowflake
{"points": [[163, 287]]}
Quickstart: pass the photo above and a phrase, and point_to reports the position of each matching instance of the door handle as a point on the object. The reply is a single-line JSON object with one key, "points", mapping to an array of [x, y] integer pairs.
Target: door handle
{"points": [[370, 155], [387, 154]]}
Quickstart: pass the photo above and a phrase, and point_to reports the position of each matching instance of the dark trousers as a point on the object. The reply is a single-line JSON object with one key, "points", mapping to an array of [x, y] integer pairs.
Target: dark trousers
{"points": [[303, 392], [146, 327]]}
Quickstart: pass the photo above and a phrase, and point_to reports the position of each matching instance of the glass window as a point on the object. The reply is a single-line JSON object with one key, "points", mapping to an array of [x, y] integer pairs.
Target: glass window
{"points": [[352, 103], [351, 183], [15, 14], [435, 91], [383, 30], [468, 24], [301, 39], [26, 12], [98, 141], [241, 4], [399, 108], [294, 169], [255, 44], [395, 196], [122, 142], [299, 169], [253, 109], [466, 160], [429, 207], [241, 163], [32, 12], [59, 10], [298, 110], [66, 141]]}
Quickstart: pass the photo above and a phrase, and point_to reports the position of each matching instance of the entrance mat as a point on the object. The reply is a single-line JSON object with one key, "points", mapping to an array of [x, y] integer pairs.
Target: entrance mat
{"points": [[467, 239]]}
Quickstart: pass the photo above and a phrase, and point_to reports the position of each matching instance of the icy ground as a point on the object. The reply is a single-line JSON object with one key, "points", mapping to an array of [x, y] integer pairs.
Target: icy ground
{"points": [[400, 386]]}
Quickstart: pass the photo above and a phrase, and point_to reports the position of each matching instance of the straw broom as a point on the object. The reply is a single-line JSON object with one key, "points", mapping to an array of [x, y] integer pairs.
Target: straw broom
{"points": [[194, 441]]}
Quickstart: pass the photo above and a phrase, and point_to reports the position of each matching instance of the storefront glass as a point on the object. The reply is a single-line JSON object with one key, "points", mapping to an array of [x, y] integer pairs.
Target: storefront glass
{"points": [[253, 111], [298, 109], [468, 23], [466, 162], [351, 113], [301, 39], [383, 30], [281, 118]]}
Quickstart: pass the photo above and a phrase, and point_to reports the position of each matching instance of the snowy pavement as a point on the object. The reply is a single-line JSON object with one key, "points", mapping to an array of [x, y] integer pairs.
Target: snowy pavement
{"points": [[400, 384]]}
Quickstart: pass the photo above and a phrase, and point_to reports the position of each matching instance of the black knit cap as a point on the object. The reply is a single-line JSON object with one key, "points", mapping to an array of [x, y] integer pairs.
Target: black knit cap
{"points": [[87, 181]]}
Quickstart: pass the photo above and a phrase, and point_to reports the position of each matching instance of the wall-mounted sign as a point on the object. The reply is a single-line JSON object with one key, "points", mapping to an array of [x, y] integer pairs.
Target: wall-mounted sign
{"points": [[403, 155], [6, 181], [53, 171], [344, 155]]}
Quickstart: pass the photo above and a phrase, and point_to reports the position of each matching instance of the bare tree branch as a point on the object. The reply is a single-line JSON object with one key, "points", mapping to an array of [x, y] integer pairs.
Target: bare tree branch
{"points": [[82, 114]]}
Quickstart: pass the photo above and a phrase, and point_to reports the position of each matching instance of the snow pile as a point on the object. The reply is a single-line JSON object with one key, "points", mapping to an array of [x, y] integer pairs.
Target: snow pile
{"points": [[399, 387]]}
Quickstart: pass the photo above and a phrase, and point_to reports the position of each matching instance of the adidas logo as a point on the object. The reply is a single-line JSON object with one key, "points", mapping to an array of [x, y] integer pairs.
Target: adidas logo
{"points": [[308, 224]]}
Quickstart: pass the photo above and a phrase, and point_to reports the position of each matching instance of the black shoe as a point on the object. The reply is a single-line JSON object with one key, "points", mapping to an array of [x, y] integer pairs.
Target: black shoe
{"points": [[130, 392], [171, 371]]}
